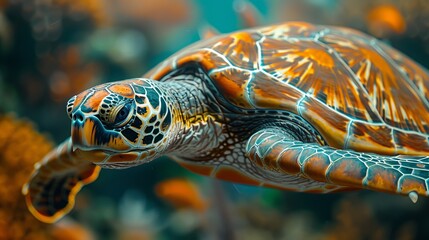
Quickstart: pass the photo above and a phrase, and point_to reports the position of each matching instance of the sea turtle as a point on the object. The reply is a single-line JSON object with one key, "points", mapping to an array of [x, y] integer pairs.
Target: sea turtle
{"points": [[294, 106]]}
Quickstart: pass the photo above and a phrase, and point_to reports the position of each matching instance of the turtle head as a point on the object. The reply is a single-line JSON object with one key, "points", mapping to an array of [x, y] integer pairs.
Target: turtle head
{"points": [[124, 123]]}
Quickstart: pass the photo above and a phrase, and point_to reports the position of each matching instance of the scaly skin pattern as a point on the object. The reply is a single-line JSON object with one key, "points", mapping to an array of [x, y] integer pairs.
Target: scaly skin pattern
{"points": [[272, 150], [294, 106]]}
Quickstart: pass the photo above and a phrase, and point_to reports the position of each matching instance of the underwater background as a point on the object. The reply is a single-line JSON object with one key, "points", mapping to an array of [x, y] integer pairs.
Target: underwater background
{"points": [[52, 49]]}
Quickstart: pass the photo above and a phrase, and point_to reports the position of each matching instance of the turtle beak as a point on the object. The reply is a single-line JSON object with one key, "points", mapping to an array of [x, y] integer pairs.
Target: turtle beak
{"points": [[78, 121], [88, 133]]}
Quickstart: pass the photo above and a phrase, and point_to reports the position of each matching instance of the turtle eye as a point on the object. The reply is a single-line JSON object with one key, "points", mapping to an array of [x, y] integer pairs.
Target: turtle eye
{"points": [[120, 114], [70, 104]]}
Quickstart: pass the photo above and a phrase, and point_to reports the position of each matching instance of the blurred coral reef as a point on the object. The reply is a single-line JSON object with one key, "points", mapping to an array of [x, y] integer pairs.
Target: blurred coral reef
{"points": [[182, 194], [20, 147], [355, 220], [385, 20], [162, 13], [51, 50]]}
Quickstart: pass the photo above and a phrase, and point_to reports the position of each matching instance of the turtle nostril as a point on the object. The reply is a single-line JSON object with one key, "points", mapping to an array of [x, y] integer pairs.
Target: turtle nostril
{"points": [[78, 116]]}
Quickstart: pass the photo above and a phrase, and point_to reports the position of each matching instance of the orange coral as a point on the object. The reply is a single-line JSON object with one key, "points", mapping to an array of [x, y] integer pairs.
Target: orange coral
{"points": [[20, 147], [384, 20], [181, 193], [397, 16]]}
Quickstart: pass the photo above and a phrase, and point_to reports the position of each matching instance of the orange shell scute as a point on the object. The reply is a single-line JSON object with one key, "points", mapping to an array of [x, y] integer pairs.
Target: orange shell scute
{"points": [[371, 138], [270, 93], [232, 83]]}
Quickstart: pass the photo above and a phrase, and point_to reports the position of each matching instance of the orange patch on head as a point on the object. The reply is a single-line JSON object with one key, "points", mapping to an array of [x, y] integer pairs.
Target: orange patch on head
{"points": [[205, 170], [94, 101], [80, 97], [235, 175], [122, 89]]}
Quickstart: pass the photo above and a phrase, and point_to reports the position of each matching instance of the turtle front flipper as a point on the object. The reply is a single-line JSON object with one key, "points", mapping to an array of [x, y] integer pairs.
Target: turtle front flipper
{"points": [[271, 149], [51, 190]]}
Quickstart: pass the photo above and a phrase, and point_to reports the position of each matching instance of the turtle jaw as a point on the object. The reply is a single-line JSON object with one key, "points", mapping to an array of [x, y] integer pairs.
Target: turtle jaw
{"points": [[91, 141], [121, 160], [88, 133]]}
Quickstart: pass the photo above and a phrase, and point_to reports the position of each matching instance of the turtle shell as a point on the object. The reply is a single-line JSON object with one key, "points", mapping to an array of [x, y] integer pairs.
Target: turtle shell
{"points": [[356, 91]]}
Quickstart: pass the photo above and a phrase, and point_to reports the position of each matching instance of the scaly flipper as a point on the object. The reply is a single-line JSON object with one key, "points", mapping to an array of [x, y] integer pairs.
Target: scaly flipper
{"points": [[274, 150], [51, 190]]}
